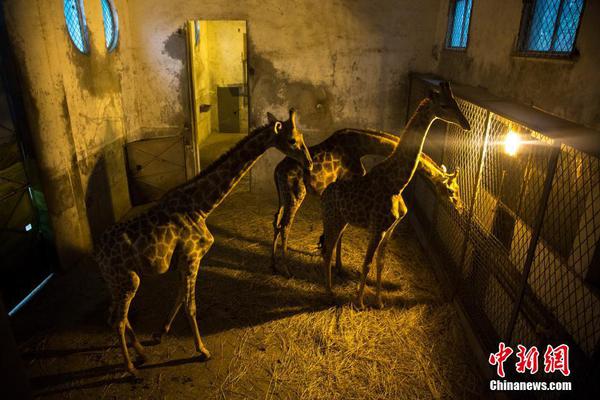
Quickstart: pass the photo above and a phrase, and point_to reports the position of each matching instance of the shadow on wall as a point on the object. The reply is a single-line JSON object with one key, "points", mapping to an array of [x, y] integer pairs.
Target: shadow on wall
{"points": [[274, 91], [174, 47], [98, 199]]}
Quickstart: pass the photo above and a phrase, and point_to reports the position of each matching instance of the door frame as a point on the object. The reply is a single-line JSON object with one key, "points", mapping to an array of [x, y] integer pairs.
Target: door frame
{"points": [[192, 147]]}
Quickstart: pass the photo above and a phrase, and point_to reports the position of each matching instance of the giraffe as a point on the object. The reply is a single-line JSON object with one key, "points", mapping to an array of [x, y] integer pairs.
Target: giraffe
{"points": [[339, 157], [146, 244], [374, 201]]}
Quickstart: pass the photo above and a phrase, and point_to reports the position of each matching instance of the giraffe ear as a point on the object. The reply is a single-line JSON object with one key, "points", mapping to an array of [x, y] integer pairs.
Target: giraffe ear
{"points": [[271, 118], [277, 127]]}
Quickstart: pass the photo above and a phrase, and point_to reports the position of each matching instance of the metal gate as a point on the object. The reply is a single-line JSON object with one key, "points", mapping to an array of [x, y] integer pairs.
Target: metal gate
{"points": [[522, 258], [154, 166]]}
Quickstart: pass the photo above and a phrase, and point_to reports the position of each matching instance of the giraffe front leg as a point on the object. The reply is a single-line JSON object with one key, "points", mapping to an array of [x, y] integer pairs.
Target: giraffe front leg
{"points": [[376, 238], [289, 214], [157, 336], [332, 233], [190, 306]]}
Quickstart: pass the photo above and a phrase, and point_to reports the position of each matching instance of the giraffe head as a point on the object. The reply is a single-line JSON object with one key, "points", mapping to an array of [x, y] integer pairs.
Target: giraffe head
{"points": [[445, 107], [289, 140], [452, 189]]}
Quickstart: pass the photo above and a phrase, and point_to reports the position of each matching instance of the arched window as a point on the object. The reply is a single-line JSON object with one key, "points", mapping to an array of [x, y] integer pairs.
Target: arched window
{"points": [[111, 24], [75, 18]]}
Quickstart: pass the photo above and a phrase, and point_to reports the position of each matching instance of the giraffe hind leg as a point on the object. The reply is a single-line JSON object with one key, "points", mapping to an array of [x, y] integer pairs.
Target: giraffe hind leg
{"points": [[171, 317], [126, 294], [189, 260], [376, 238], [338, 256], [136, 344], [190, 308], [380, 259], [276, 234]]}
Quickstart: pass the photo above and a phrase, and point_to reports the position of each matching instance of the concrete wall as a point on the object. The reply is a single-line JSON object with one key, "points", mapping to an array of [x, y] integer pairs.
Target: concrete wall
{"points": [[75, 107], [568, 89], [341, 63]]}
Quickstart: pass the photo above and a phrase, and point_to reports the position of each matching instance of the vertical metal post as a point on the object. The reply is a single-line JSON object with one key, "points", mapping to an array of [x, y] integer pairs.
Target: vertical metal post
{"points": [[537, 230], [436, 207], [480, 161]]}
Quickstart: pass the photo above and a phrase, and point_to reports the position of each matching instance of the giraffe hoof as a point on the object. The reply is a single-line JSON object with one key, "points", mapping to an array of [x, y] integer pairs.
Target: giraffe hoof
{"points": [[133, 372], [205, 355], [157, 337], [141, 359], [286, 272], [358, 305]]}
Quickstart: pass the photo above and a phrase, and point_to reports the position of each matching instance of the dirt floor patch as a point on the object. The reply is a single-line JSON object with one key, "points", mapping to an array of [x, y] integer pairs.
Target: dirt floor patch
{"points": [[270, 337]]}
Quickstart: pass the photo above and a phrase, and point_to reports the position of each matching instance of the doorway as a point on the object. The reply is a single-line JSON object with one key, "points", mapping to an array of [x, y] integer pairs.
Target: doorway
{"points": [[218, 88]]}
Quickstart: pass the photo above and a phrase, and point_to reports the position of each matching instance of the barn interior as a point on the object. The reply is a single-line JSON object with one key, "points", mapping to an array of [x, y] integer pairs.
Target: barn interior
{"points": [[108, 107]]}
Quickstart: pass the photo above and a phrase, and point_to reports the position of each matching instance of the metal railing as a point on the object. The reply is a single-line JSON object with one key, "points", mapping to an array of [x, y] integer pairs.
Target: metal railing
{"points": [[522, 257]]}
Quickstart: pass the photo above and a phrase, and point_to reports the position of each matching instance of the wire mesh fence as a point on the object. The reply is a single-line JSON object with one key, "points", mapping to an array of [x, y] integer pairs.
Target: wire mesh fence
{"points": [[522, 257]]}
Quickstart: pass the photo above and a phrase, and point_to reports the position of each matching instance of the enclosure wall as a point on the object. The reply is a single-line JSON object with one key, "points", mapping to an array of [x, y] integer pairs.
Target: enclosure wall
{"points": [[522, 256], [569, 88], [339, 63], [75, 108]]}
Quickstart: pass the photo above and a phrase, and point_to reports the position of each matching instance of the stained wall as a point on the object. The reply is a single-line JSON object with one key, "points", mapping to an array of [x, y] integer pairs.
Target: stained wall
{"points": [[340, 63], [569, 89], [76, 110]]}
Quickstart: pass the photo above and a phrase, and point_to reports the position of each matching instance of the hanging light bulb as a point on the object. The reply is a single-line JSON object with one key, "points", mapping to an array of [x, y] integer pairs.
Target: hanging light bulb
{"points": [[512, 142]]}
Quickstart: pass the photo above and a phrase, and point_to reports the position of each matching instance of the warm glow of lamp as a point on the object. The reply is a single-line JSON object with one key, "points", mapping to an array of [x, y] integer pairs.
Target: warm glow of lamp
{"points": [[512, 142]]}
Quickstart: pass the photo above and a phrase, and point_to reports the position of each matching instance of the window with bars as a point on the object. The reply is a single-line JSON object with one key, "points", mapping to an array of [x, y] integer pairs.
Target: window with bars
{"points": [[76, 26], [459, 18], [549, 27], [111, 24]]}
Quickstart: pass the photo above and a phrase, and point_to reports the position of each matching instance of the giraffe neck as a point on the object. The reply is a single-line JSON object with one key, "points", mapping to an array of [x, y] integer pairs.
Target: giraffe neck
{"points": [[400, 166], [212, 185]]}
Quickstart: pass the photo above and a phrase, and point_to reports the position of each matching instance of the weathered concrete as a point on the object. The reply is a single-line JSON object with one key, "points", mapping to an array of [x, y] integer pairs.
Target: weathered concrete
{"points": [[77, 118], [341, 63], [568, 89]]}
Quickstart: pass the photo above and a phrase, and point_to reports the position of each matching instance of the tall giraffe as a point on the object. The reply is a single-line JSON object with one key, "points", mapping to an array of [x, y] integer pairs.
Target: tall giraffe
{"points": [[374, 201], [145, 245], [339, 157]]}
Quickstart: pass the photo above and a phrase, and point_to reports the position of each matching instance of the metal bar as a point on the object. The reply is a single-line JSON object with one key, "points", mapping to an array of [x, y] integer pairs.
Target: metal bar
{"points": [[480, 161], [537, 230], [190, 31], [556, 24], [436, 204], [410, 88]]}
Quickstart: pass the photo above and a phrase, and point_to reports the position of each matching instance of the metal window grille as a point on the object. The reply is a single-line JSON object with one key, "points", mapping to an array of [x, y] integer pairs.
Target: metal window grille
{"points": [[458, 24], [520, 255], [76, 25], [111, 24], [549, 27]]}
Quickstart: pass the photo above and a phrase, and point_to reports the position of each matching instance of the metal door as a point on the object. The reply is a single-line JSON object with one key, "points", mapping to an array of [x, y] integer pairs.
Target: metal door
{"points": [[154, 166]]}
